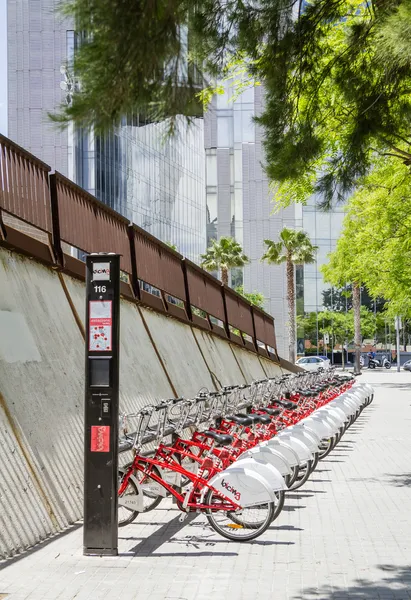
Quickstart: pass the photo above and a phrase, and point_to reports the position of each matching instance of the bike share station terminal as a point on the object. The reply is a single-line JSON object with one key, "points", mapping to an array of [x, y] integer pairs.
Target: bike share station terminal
{"points": [[101, 404]]}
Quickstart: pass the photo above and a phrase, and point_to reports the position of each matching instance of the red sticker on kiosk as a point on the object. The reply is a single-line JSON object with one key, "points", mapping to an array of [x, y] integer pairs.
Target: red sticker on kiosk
{"points": [[100, 438], [100, 325]]}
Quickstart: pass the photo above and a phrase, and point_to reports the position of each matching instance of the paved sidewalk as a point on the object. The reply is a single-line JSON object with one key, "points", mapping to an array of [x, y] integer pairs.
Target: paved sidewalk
{"points": [[346, 534]]}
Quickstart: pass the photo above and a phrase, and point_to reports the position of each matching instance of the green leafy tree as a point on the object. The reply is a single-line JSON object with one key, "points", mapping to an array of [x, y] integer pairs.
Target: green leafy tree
{"points": [[345, 267], [342, 325], [223, 255], [308, 324], [376, 232], [293, 248], [336, 75], [338, 95], [255, 298]]}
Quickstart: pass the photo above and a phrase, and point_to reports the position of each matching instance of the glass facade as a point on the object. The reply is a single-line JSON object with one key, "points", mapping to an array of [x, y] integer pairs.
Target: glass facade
{"points": [[156, 181], [324, 229]]}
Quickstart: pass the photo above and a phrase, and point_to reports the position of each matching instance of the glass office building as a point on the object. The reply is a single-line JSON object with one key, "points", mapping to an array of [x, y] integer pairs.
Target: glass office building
{"points": [[239, 198], [240, 204], [158, 182], [324, 229]]}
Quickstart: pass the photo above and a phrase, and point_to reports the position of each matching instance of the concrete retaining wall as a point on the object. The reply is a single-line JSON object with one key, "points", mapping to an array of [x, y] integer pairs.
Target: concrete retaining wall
{"points": [[42, 388]]}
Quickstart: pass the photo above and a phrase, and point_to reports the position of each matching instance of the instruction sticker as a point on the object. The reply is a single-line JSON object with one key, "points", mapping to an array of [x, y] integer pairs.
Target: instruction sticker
{"points": [[100, 438], [100, 323]]}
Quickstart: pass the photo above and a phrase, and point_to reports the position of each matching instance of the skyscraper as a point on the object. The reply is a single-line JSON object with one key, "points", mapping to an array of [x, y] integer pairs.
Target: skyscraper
{"points": [[239, 203]]}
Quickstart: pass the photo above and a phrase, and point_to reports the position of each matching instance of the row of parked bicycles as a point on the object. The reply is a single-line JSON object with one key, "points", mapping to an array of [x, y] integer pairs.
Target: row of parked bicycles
{"points": [[234, 454]]}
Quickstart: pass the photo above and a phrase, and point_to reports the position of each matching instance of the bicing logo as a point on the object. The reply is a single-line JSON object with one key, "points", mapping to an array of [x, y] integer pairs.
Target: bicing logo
{"points": [[231, 489]]}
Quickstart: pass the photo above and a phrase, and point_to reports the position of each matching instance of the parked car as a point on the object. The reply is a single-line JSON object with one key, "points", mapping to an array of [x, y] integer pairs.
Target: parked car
{"points": [[313, 363], [407, 365]]}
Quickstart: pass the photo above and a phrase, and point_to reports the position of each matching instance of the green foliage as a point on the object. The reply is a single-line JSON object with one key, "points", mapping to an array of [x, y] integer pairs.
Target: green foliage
{"points": [[255, 298], [342, 98], [172, 246], [338, 324], [223, 255], [307, 325], [293, 245], [375, 246], [336, 75]]}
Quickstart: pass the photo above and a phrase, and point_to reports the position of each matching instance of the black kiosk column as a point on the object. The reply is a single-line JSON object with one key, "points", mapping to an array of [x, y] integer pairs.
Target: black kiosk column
{"points": [[101, 404]]}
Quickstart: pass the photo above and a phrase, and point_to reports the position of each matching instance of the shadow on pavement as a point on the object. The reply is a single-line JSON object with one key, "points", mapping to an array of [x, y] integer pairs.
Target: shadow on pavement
{"points": [[395, 583], [10, 561], [399, 479], [397, 386]]}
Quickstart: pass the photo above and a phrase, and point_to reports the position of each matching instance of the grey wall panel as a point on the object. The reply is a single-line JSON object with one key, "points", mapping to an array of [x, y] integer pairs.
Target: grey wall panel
{"points": [[42, 390]]}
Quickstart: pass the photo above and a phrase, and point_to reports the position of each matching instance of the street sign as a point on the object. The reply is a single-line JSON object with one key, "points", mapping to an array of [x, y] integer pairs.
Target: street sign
{"points": [[326, 339], [101, 404]]}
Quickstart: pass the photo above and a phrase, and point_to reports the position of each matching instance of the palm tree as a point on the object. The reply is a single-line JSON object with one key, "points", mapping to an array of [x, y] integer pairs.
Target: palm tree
{"points": [[294, 248], [223, 255]]}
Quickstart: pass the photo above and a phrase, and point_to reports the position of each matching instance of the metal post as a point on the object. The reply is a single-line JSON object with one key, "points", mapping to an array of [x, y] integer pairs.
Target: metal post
{"points": [[101, 404], [397, 331]]}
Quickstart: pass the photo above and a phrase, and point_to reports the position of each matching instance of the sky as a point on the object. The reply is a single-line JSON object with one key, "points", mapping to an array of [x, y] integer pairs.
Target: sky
{"points": [[3, 67]]}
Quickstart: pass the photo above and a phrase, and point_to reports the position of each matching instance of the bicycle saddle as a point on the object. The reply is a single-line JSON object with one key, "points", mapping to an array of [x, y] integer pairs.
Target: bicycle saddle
{"points": [[264, 419], [273, 412], [220, 438], [288, 405], [240, 419]]}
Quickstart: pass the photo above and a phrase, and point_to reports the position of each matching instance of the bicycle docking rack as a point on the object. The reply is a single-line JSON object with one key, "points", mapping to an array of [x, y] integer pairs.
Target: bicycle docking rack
{"points": [[276, 385]]}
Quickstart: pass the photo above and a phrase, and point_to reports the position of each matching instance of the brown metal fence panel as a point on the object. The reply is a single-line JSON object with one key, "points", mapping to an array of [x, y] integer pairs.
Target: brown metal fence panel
{"points": [[79, 219], [264, 328], [158, 265], [239, 312], [205, 291], [24, 186], [89, 224]]}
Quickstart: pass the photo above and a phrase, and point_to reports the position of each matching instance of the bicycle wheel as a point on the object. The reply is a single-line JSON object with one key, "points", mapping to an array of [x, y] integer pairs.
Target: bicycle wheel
{"points": [[325, 447], [257, 519], [126, 515], [240, 519], [293, 476], [304, 472], [279, 504], [315, 461]]}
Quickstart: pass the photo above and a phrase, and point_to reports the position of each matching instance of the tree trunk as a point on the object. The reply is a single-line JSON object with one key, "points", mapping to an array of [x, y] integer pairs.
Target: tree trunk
{"points": [[291, 311], [356, 303], [224, 275], [342, 356]]}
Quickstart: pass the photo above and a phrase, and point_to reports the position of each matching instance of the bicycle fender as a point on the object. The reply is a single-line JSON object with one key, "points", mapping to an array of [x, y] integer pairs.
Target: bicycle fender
{"points": [[269, 455], [304, 453], [260, 465], [285, 450], [242, 485]]}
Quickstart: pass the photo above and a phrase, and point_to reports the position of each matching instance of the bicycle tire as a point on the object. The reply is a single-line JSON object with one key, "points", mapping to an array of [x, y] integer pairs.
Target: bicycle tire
{"points": [[280, 504], [293, 476], [303, 478], [328, 445], [229, 533], [129, 515], [315, 462]]}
